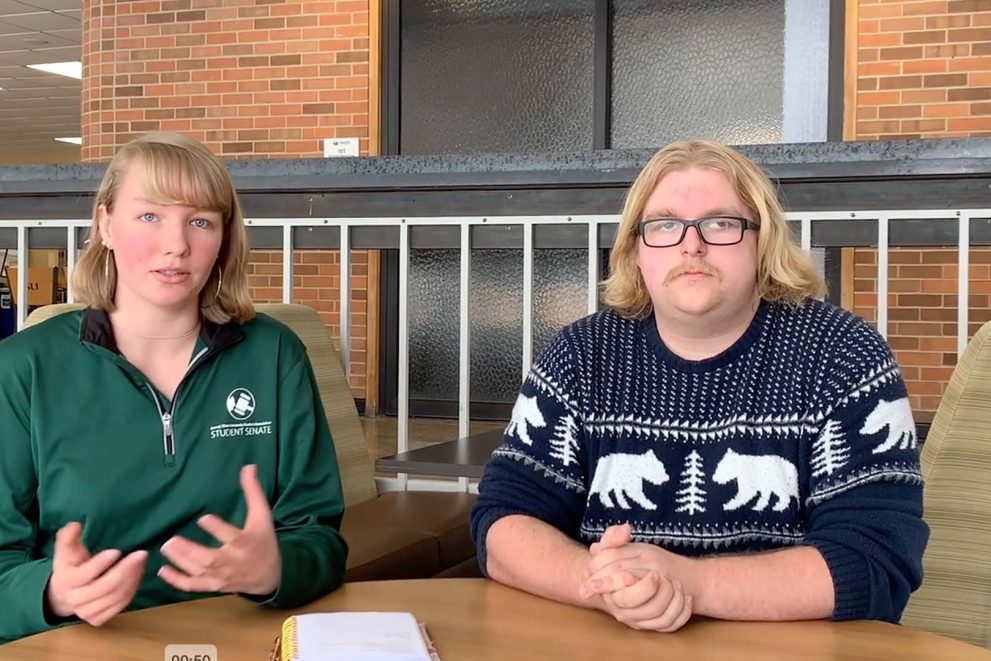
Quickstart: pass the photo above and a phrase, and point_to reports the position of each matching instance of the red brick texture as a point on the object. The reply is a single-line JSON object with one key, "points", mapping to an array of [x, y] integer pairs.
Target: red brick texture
{"points": [[316, 283], [923, 69], [922, 312], [250, 78]]}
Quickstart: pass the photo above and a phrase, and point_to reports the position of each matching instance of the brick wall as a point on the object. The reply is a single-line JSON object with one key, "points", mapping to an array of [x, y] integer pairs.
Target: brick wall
{"points": [[922, 313], [250, 79], [923, 71], [316, 283]]}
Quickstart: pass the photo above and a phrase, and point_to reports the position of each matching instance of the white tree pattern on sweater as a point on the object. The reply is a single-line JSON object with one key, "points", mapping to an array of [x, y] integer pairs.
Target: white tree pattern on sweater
{"points": [[691, 497], [830, 451], [564, 442]]}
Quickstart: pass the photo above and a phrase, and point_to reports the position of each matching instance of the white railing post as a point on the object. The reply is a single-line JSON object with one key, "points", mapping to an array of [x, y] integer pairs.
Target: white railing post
{"points": [[345, 303], [527, 296], [593, 267], [882, 275], [963, 282]]}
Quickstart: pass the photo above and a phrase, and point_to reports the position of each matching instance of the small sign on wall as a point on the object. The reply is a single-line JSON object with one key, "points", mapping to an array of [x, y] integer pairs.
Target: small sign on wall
{"points": [[340, 147]]}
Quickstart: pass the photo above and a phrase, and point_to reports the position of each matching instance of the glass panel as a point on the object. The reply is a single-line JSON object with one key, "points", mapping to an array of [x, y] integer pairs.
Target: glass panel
{"points": [[496, 75], [496, 305], [707, 68], [560, 293], [434, 296]]}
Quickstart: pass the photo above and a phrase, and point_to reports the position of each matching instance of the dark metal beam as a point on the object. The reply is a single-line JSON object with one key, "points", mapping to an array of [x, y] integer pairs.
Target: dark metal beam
{"points": [[829, 162], [837, 62], [602, 76]]}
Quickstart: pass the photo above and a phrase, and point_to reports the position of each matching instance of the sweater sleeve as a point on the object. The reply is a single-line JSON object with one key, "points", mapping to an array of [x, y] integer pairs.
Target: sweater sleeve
{"points": [[309, 503], [865, 490], [23, 574], [540, 468]]}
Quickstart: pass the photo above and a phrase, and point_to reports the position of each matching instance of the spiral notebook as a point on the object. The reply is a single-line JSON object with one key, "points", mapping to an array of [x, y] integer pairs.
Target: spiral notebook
{"points": [[354, 636]]}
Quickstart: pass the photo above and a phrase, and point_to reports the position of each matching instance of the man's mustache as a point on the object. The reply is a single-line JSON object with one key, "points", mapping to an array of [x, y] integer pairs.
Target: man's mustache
{"points": [[696, 267]]}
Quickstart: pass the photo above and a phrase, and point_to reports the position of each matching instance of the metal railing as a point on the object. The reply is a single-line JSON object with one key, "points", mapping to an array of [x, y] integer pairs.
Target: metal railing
{"points": [[804, 220]]}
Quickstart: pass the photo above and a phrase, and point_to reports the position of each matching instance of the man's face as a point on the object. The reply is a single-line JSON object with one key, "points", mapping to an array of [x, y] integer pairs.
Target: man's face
{"points": [[694, 280]]}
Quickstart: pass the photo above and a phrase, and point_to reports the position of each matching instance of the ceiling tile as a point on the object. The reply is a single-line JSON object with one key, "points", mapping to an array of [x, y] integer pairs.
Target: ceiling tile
{"points": [[15, 7], [36, 107], [41, 21], [6, 30], [33, 41], [73, 36], [53, 5], [58, 54]]}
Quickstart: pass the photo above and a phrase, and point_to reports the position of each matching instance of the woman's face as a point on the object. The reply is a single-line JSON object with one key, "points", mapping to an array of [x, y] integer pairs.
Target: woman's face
{"points": [[164, 253]]}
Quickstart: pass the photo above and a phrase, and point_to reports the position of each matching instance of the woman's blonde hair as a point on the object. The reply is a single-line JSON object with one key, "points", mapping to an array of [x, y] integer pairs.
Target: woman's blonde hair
{"points": [[176, 170], [784, 271]]}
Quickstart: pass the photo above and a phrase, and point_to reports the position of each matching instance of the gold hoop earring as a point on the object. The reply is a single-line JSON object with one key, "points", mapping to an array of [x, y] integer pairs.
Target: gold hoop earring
{"points": [[220, 284]]}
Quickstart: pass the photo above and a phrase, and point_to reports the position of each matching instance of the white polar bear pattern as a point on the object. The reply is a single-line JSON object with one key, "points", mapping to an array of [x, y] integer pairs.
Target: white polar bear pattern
{"points": [[897, 417], [766, 475], [624, 475], [525, 412]]}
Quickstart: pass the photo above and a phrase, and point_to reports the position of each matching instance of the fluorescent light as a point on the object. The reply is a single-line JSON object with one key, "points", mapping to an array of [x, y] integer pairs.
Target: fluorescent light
{"points": [[73, 141], [68, 69]]}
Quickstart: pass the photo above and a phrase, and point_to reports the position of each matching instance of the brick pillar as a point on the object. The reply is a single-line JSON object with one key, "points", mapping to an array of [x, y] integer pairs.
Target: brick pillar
{"points": [[251, 80], [923, 69]]}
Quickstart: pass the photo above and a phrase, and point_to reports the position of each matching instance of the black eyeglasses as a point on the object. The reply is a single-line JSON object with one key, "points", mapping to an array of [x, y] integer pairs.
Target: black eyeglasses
{"points": [[716, 231]]}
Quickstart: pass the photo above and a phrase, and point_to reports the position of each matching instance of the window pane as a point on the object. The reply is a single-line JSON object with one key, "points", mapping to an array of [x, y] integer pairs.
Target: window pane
{"points": [[495, 75], [706, 68]]}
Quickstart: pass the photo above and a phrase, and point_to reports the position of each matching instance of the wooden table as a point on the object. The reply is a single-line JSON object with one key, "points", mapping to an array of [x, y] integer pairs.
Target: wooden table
{"points": [[462, 457], [477, 620]]}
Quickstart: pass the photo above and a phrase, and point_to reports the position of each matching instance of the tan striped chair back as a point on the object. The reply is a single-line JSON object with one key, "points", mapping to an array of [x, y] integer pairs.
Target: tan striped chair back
{"points": [[357, 474], [955, 597], [355, 463], [46, 312]]}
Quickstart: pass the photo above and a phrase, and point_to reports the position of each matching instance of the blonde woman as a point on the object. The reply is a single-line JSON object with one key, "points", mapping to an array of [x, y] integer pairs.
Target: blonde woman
{"points": [[718, 441], [166, 442]]}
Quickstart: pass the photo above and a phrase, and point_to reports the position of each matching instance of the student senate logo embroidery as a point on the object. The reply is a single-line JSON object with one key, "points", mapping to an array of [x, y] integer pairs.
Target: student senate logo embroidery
{"points": [[240, 404]]}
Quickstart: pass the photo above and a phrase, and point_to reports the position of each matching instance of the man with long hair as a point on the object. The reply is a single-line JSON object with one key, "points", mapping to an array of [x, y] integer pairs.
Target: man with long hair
{"points": [[718, 440]]}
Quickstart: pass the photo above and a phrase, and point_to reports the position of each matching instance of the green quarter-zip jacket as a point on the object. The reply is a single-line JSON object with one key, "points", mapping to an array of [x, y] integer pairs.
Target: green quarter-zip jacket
{"points": [[85, 437]]}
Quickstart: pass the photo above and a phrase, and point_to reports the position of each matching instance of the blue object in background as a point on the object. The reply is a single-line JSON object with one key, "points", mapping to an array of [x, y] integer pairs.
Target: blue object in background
{"points": [[8, 313]]}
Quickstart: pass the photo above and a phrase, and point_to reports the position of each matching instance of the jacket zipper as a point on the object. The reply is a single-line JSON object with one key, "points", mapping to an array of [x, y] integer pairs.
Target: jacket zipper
{"points": [[168, 433]]}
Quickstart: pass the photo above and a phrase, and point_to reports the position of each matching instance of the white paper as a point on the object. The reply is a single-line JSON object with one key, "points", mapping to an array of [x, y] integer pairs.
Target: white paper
{"points": [[369, 636]]}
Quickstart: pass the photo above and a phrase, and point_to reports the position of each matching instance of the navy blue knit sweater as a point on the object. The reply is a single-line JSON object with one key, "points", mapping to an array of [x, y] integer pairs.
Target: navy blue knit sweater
{"points": [[799, 433]]}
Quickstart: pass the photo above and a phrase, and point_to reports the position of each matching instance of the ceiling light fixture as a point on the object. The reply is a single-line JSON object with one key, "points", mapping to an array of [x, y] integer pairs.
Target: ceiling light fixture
{"points": [[72, 141], [68, 69]]}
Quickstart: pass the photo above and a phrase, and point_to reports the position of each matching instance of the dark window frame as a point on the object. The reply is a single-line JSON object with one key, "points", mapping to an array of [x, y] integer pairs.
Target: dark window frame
{"points": [[391, 31]]}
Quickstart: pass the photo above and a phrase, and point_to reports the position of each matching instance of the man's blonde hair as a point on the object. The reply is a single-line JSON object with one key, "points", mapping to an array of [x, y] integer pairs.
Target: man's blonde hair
{"points": [[176, 170], [784, 271]]}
